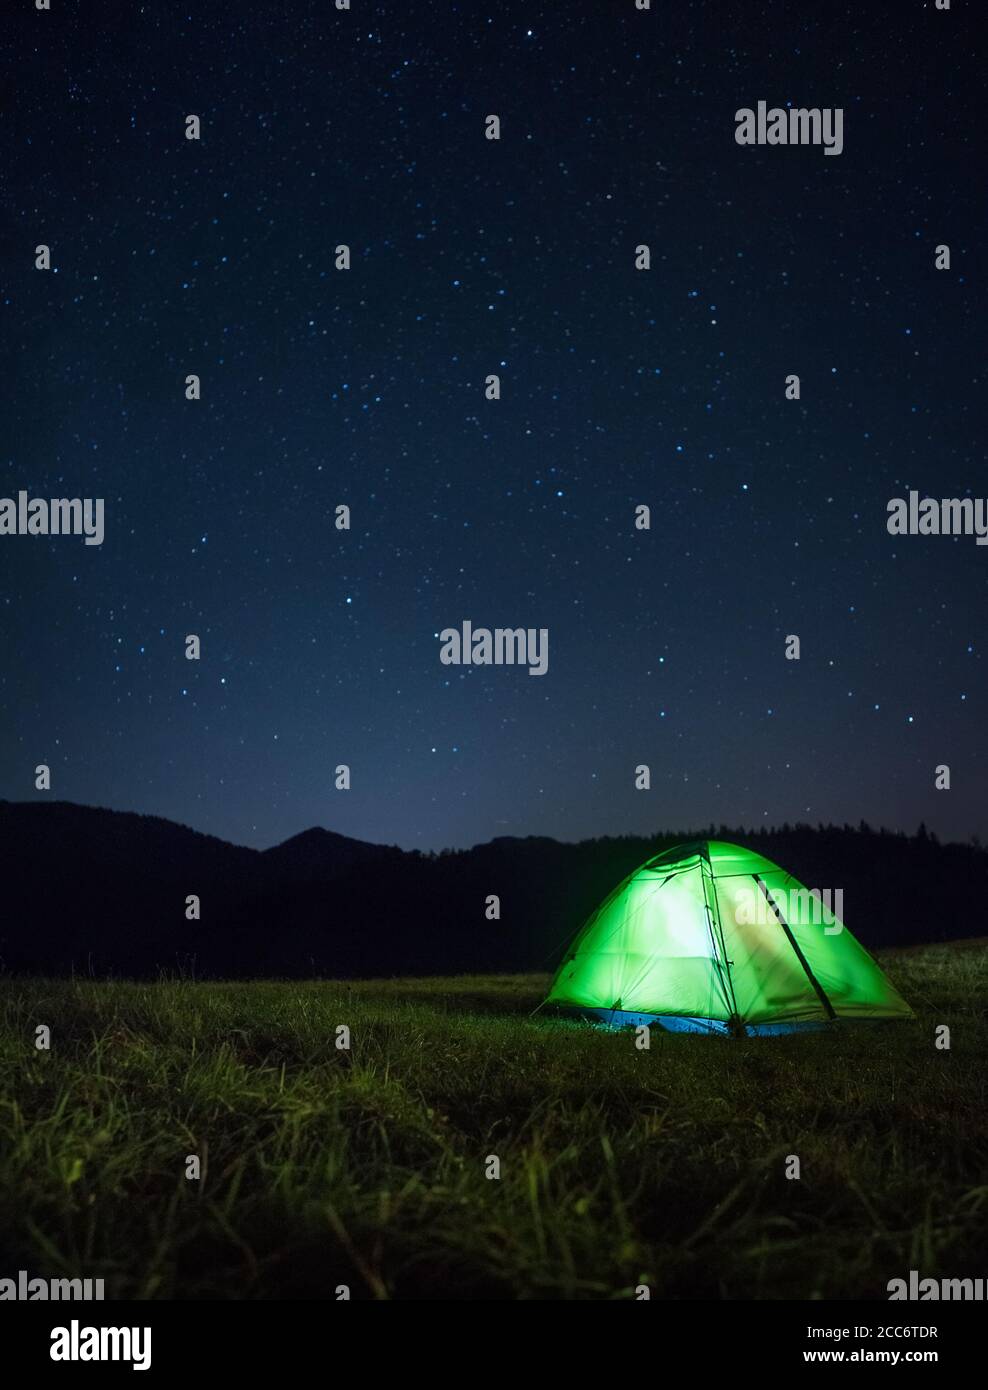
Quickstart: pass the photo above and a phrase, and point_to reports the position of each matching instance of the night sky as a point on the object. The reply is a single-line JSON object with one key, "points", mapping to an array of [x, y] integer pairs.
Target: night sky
{"points": [[619, 387]]}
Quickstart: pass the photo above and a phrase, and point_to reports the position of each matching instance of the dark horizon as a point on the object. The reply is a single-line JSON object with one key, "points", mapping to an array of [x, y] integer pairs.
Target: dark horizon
{"points": [[107, 893], [689, 832]]}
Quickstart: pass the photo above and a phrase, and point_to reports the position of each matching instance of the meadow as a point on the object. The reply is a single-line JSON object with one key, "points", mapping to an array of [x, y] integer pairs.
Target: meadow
{"points": [[322, 1166]]}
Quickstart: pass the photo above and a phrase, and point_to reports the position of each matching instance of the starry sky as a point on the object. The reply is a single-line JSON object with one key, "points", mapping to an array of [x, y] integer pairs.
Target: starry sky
{"points": [[619, 387]]}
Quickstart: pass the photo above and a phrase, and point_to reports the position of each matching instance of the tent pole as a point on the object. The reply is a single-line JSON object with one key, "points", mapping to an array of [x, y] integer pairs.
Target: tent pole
{"points": [[795, 945], [736, 1023]]}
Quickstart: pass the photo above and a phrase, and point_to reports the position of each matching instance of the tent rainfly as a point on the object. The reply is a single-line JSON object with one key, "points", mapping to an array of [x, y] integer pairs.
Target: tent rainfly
{"points": [[710, 937]]}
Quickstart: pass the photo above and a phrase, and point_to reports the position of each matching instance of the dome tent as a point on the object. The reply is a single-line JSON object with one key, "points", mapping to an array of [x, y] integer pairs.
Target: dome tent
{"points": [[712, 937]]}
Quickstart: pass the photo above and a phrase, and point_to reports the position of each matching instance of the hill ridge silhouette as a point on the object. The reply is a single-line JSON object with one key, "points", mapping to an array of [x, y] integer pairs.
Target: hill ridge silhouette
{"points": [[99, 891]]}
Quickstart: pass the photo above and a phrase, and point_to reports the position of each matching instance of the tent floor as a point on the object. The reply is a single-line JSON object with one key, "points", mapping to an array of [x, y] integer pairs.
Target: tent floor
{"points": [[674, 1023]]}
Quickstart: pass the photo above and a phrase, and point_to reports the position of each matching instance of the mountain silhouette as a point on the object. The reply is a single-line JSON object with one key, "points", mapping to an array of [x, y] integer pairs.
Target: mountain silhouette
{"points": [[319, 855], [100, 892]]}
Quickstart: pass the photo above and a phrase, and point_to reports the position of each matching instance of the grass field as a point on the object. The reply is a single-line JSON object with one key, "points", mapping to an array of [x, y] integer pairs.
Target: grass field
{"points": [[367, 1167]]}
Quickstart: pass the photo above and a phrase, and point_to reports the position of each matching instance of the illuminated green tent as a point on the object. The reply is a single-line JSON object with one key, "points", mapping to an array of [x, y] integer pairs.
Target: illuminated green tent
{"points": [[711, 937]]}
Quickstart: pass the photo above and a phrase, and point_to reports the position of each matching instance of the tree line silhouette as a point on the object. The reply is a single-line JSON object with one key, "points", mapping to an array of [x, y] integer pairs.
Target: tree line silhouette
{"points": [[92, 891]]}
